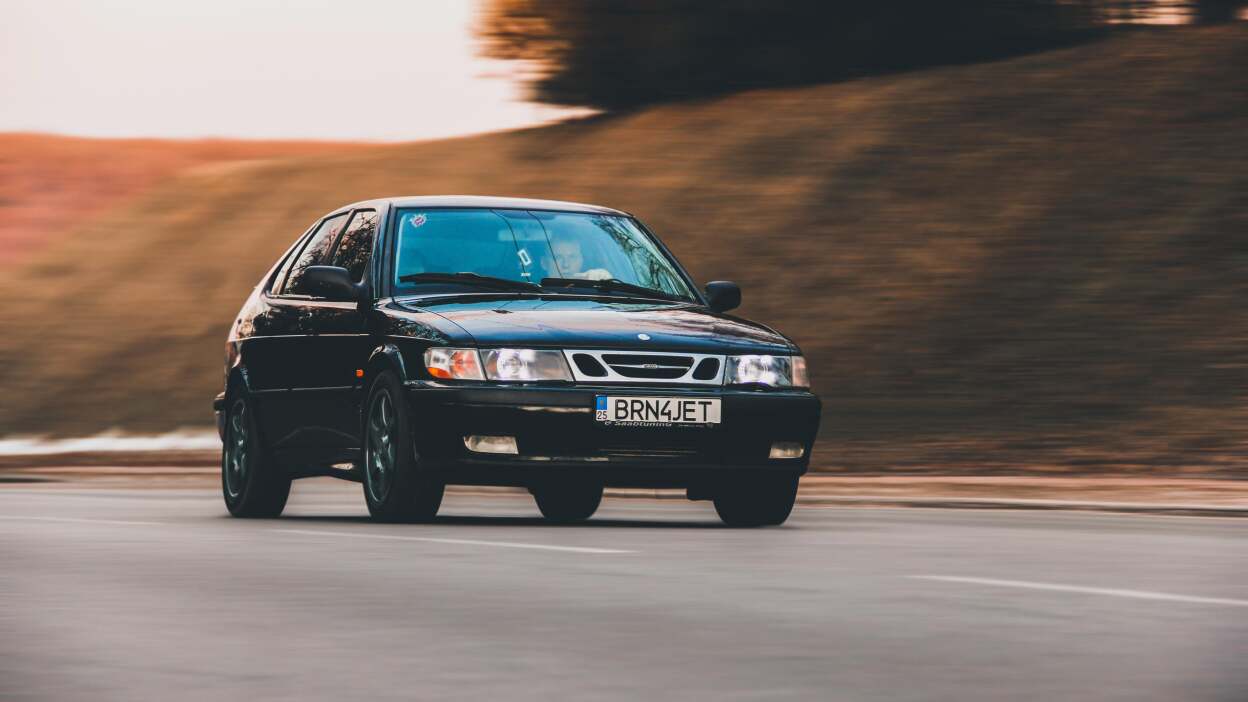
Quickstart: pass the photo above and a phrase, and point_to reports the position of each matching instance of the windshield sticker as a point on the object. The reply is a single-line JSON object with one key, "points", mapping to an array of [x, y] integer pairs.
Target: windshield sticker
{"points": [[525, 258], [417, 219]]}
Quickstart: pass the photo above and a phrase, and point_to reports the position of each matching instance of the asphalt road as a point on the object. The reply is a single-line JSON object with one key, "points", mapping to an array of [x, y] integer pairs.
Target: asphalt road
{"points": [[158, 595]]}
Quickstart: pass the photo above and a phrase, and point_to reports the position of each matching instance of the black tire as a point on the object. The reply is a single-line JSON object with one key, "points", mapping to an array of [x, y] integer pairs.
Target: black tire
{"points": [[397, 487], [756, 500], [568, 501], [252, 484]]}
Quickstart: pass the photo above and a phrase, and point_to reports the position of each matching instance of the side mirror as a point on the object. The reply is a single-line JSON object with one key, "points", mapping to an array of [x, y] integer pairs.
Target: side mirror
{"points": [[331, 282], [723, 295]]}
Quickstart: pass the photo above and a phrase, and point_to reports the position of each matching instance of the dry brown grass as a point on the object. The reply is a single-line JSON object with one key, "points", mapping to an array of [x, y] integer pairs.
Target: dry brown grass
{"points": [[49, 185], [1038, 261]]}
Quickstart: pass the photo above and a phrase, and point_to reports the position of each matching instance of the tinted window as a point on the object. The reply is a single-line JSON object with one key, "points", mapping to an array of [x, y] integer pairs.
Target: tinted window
{"points": [[356, 244], [279, 279], [530, 246], [598, 247], [313, 253], [455, 241]]}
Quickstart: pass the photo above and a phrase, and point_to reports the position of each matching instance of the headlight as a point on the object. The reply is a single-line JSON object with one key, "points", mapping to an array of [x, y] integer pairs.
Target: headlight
{"points": [[525, 364], [454, 364], [776, 371]]}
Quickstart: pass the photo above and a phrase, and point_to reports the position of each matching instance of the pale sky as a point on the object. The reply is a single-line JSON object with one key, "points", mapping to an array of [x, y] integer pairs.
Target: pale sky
{"points": [[291, 69]]}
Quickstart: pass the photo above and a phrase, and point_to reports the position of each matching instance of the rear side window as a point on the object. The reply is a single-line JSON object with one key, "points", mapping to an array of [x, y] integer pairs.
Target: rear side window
{"points": [[313, 253], [356, 245]]}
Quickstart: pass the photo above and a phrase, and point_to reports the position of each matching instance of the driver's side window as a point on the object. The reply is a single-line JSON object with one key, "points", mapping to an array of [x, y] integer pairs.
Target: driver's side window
{"points": [[356, 245], [313, 252]]}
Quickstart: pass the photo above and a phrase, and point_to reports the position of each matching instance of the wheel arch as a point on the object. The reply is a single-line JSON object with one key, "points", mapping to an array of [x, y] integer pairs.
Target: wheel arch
{"points": [[237, 380], [386, 357], [383, 358]]}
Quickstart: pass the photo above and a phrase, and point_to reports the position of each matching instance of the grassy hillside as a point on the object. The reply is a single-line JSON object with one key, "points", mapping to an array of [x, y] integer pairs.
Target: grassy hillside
{"points": [[50, 184], [1033, 263]]}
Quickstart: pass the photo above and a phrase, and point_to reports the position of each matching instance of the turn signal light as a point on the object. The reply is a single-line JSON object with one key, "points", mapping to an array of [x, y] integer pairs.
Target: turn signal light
{"points": [[454, 364]]}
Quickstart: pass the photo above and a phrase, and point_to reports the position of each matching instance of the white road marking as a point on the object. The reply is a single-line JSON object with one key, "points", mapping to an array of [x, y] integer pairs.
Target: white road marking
{"points": [[73, 520], [112, 441], [1113, 592], [462, 542]]}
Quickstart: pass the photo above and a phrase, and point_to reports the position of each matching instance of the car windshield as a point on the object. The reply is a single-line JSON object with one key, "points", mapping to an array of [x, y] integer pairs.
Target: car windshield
{"points": [[529, 247]]}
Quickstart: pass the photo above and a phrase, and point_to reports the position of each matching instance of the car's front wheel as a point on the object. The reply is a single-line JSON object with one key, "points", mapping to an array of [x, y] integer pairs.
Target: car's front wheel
{"points": [[397, 487], [251, 482], [568, 501], [756, 500]]}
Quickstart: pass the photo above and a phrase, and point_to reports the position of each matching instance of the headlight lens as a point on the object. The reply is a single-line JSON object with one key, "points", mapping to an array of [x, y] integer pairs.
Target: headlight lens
{"points": [[776, 371], [526, 365], [454, 364]]}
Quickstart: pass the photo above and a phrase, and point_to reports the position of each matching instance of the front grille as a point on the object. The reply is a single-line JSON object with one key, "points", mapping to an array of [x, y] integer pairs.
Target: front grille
{"points": [[621, 367], [589, 365], [646, 359], [648, 366], [660, 373], [708, 369]]}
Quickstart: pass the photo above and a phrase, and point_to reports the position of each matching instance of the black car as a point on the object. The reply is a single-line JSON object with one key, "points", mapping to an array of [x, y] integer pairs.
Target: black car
{"points": [[410, 343]]}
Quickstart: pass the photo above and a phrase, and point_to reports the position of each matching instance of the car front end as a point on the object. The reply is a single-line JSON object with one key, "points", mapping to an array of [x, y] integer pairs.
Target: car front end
{"points": [[630, 417]]}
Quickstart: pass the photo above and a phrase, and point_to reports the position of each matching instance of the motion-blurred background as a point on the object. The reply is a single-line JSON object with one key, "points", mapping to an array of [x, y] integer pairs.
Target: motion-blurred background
{"points": [[1010, 236]]}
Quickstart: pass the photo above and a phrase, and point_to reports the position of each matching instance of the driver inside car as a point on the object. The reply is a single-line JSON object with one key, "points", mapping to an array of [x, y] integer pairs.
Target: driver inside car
{"points": [[570, 261]]}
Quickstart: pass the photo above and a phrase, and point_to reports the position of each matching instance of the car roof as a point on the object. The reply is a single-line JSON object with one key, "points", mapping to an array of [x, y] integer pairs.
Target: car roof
{"points": [[486, 201]]}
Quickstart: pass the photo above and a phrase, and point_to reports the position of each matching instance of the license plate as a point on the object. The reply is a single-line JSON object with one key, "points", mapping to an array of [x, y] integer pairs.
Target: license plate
{"points": [[656, 411]]}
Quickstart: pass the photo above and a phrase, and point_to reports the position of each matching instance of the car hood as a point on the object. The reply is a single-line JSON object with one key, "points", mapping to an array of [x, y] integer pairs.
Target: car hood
{"points": [[602, 323]]}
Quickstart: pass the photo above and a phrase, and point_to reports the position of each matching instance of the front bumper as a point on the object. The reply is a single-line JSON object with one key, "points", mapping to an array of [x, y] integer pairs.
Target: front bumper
{"points": [[556, 432]]}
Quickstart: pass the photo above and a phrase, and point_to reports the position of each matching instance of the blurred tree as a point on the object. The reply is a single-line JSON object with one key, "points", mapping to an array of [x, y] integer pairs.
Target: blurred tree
{"points": [[1217, 11], [615, 54]]}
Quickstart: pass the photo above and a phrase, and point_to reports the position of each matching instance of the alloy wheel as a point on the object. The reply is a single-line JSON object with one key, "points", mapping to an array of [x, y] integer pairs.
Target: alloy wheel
{"points": [[236, 450], [382, 451]]}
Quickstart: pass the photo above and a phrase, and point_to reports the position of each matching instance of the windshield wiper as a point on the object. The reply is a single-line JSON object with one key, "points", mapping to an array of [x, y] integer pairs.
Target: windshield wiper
{"points": [[608, 285], [485, 281]]}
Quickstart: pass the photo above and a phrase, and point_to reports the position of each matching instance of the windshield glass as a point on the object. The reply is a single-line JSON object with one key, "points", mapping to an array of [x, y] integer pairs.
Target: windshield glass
{"points": [[529, 246]]}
